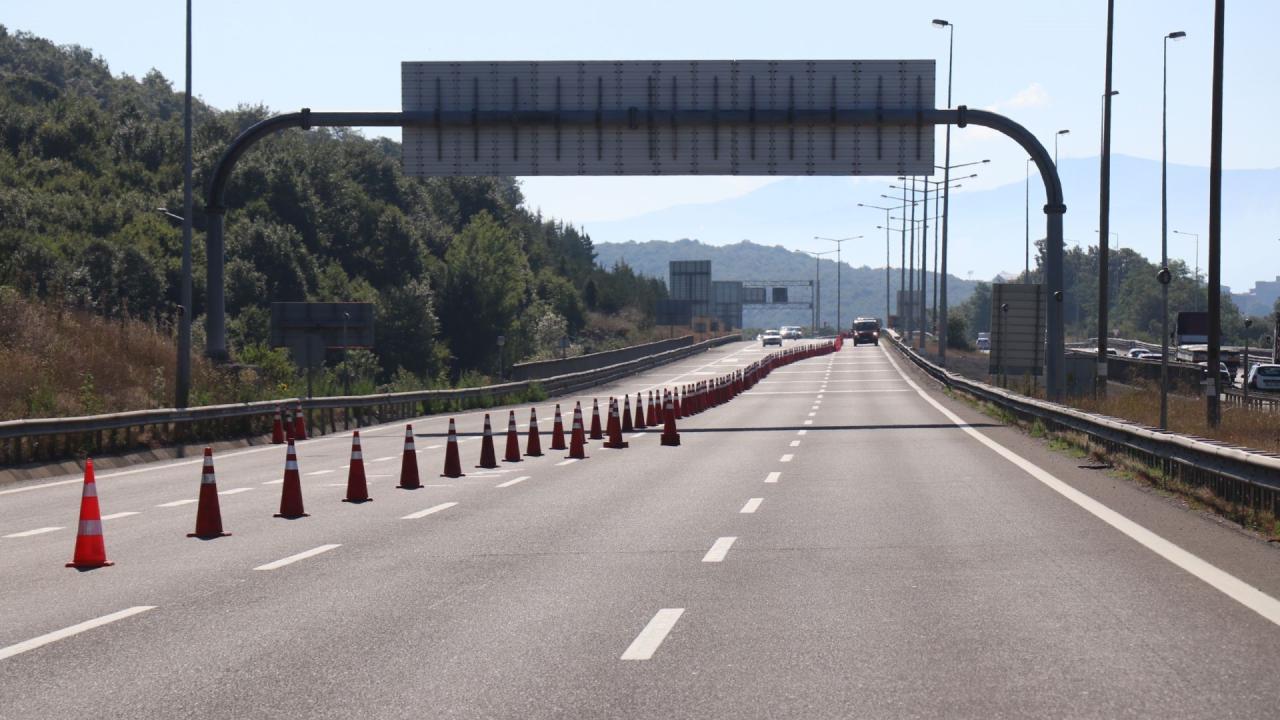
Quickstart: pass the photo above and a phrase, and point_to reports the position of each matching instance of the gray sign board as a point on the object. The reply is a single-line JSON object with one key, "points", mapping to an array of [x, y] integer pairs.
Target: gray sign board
{"points": [[672, 117], [1017, 329]]}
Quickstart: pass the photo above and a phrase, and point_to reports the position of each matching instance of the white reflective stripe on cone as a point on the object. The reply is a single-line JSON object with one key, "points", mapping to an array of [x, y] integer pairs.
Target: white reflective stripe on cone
{"points": [[90, 527], [291, 465]]}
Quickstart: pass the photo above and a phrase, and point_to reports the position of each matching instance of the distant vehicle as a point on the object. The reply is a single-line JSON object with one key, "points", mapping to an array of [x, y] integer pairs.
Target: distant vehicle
{"points": [[1228, 380], [1191, 328], [1149, 355], [984, 342], [791, 332], [1113, 351], [771, 337], [866, 330], [1137, 352], [1264, 376]]}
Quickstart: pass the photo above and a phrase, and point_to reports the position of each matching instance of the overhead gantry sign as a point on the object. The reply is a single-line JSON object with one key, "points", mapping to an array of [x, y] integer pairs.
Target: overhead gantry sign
{"points": [[694, 117]]}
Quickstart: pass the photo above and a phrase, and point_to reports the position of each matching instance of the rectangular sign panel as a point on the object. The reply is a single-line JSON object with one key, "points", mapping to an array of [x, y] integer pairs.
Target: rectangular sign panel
{"points": [[690, 117], [1017, 329]]}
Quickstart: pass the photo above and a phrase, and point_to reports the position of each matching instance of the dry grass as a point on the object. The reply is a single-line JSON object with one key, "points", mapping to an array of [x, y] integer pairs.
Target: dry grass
{"points": [[1242, 427], [60, 362]]}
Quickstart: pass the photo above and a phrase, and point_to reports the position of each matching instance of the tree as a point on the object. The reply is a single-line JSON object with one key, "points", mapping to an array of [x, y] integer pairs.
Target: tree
{"points": [[487, 281]]}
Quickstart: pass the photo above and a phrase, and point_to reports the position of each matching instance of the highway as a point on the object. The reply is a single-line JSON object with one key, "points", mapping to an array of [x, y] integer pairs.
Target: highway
{"points": [[841, 541]]}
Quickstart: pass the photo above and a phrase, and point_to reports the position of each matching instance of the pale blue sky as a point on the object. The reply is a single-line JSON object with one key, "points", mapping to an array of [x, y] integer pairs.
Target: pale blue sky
{"points": [[1037, 61]]}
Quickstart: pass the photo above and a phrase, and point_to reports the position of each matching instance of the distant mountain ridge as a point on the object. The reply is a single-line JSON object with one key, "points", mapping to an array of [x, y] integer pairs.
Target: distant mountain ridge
{"points": [[861, 292]]}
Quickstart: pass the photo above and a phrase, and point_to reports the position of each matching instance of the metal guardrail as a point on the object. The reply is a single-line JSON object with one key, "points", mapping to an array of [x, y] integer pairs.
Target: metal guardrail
{"points": [[48, 439], [1238, 475]]}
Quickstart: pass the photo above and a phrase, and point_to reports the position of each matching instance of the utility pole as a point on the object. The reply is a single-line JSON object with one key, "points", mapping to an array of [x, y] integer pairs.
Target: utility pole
{"points": [[1212, 410], [1104, 208], [182, 386]]}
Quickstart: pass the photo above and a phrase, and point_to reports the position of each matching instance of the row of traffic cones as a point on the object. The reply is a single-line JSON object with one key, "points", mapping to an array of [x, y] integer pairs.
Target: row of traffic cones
{"points": [[288, 427], [664, 408]]}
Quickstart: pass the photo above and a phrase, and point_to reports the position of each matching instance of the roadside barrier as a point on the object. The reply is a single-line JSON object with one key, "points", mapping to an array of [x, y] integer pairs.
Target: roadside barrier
{"points": [[52, 439], [90, 550], [208, 514], [291, 490]]}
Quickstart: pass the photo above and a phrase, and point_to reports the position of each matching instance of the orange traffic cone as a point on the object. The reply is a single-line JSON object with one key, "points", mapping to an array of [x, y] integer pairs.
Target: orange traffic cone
{"points": [[299, 424], [452, 463], [578, 438], [409, 463], [670, 437], [640, 423], [513, 440], [208, 514], [286, 416], [596, 433], [651, 419], [533, 448], [626, 414], [277, 428], [615, 441], [357, 487], [487, 457], [90, 552], [557, 432], [291, 492], [675, 402]]}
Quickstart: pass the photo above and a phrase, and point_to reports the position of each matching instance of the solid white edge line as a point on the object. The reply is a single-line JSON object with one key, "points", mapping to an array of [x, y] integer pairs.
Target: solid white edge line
{"points": [[752, 505], [1226, 583], [719, 549], [433, 509], [56, 635], [37, 531], [647, 642], [295, 558], [772, 477], [509, 483]]}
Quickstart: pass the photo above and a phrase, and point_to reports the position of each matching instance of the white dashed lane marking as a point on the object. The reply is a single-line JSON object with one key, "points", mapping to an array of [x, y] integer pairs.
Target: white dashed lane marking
{"points": [[57, 635], [29, 533], [295, 558], [772, 477], [647, 642], [429, 511], [719, 550], [752, 505]]}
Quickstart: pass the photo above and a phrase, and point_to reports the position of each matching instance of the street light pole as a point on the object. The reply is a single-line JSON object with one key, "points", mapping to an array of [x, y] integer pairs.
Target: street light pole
{"points": [[817, 293], [1212, 409], [887, 275], [182, 385], [946, 200], [1104, 208], [838, 241], [1164, 230]]}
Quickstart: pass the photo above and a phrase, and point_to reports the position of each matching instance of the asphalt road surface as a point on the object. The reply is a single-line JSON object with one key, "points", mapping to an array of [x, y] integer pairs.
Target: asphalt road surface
{"points": [[842, 541]]}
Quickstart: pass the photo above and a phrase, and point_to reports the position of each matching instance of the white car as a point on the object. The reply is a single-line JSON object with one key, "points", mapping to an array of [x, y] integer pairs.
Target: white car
{"points": [[1264, 376], [1137, 352], [791, 332], [771, 337]]}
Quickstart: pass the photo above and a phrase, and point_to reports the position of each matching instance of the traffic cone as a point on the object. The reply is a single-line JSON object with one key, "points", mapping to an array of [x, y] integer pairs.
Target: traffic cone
{"points": [[291, 491], [533, 448], [651, 419], [626, 414], [287, 416], [596, 433], [277, 428], [640, 424], [670, 437], [557, 432], [90, 552], [487, 457], [452, 463], [409, 479], [577, 439], [208, 514], [615, 441], [675, 404], [299, 424], [513, 440], [357, 487]]}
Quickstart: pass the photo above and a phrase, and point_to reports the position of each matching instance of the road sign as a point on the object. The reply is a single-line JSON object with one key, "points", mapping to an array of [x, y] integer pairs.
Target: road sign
{"points": [[690, 117], [1017, 329]]}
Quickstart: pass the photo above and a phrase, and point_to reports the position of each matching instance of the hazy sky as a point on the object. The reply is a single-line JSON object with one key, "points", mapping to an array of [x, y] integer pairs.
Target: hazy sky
{"points": [[1039, 61]]}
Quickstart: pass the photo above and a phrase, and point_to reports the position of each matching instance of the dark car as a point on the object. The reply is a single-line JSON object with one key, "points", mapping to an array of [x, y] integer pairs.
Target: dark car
{"points": [[866, 330]]}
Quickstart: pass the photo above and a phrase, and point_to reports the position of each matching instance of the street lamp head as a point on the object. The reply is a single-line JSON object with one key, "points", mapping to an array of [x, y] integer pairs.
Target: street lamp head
{"points": [[1063, 132], [1176, 35], [940, 23], [987, 160]]}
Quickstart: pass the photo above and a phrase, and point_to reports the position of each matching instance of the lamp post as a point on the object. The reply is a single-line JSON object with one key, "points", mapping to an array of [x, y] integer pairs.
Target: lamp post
{"points": [[887, 275], [1197, 263], [946, 196], [1212, 408], [838, 241], [817, 292], [1163, 276], [1057, 135], [1104, 205], [182, 385]]}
